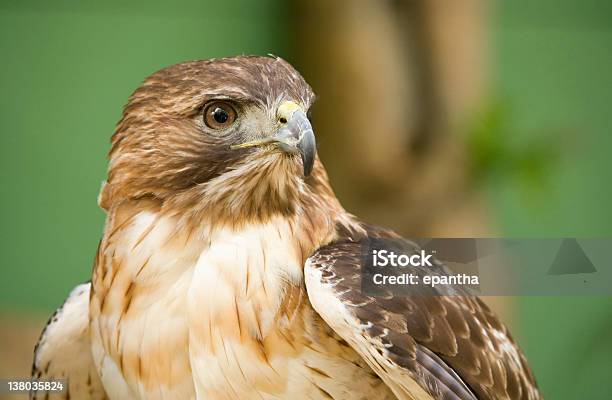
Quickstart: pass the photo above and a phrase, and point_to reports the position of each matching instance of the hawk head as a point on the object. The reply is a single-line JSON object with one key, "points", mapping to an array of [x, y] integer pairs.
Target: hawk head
{"points": [[231, 131]]}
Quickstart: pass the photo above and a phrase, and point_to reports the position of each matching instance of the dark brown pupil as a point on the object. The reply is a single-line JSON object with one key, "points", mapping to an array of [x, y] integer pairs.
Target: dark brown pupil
{"points": [[220, 115]]}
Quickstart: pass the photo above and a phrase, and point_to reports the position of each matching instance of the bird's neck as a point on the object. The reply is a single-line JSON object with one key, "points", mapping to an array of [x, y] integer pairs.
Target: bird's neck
{"points": [[258, 191]]}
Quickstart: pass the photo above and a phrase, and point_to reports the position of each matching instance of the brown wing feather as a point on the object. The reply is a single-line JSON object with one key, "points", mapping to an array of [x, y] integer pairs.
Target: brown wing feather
{"points": [[453, 346]]}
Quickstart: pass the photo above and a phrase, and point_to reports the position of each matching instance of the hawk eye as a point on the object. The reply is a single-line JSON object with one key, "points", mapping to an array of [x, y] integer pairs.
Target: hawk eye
{"points": [[219, 115]]}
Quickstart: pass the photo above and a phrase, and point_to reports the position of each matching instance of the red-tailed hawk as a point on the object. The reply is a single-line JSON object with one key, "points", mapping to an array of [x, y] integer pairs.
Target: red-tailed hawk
{"points": [[229, 270]]}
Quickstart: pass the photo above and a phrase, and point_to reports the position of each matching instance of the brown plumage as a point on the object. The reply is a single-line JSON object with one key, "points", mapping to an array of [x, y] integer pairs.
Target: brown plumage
{"points": [[229, 270]]}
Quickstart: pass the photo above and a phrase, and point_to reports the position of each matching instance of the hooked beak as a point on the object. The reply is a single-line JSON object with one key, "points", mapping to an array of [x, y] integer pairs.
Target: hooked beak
{"points": [[295, 135]]}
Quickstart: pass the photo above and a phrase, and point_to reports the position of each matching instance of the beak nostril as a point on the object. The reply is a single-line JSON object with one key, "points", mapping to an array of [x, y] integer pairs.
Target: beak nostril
{"points": [[283, 120]]}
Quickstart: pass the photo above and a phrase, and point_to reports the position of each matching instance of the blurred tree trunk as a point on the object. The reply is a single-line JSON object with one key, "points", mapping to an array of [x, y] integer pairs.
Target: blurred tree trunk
{"points": [[395, 82]]}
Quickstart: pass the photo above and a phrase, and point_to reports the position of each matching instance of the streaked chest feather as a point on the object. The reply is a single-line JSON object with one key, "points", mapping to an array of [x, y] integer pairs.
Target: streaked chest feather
{"points": [[215, 315]]}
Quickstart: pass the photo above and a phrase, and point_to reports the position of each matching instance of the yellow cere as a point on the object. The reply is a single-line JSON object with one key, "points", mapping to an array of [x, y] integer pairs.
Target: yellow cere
{"points": [[287, 109]]}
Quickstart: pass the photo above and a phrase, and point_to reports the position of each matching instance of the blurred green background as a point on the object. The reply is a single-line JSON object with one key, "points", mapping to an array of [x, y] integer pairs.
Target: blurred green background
{"points": [[539, 138], [553, 63]]}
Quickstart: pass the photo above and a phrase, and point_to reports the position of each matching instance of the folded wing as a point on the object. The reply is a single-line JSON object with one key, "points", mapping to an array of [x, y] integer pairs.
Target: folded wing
{"points": [[63, 350], [423, 346]]}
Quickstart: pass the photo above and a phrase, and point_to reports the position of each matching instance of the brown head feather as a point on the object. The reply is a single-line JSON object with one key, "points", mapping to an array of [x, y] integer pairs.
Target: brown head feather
{"points": [[162, 148]]}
